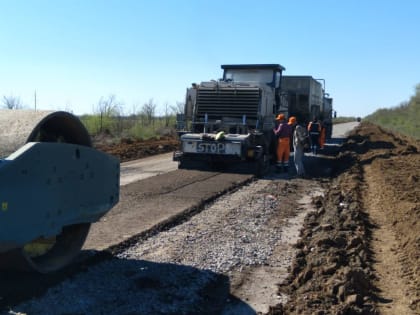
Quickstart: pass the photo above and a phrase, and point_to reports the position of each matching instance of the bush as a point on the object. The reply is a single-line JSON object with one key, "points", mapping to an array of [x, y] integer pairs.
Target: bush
{"points": [[135, 126], [403, 119]]}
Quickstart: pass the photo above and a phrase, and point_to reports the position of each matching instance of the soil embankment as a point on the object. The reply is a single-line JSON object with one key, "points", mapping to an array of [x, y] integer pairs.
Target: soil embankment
{"points": [[359, 253]]}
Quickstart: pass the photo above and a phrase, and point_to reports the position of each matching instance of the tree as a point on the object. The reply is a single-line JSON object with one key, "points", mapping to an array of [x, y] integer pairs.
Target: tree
{"points": [[12, 102], [178, 108], [167, 114], [148, 111], [106, 109]]}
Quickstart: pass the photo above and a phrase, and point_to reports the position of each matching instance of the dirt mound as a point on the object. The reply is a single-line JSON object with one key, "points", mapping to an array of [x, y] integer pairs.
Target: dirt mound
{"points": [[359, 252], [129, 149]]}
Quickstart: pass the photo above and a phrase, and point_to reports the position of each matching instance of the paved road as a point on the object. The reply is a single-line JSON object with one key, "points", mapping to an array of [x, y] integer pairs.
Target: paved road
{"points": [[147, 203], [143, 168], [342, 130]]}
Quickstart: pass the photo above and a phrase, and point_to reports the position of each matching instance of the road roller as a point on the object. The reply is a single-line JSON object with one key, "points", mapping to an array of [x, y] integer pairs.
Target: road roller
{"points": [[53, 186]]}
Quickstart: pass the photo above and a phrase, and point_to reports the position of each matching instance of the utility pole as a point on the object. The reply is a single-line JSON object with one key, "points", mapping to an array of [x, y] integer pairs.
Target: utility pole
{"points": [[35, 99]]}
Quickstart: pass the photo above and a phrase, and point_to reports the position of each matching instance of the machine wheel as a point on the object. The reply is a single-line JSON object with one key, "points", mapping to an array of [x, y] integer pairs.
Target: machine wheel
{"points": [[66, 247], [50, 255], [184, 165], [262, 165]]}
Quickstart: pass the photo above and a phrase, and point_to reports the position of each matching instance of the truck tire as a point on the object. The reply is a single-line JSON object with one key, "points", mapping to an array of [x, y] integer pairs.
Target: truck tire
{"points": [[262, 165]]}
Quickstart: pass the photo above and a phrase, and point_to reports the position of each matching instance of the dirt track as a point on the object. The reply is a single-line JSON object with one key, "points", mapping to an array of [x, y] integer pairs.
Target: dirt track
{"points": [[359, 251]]}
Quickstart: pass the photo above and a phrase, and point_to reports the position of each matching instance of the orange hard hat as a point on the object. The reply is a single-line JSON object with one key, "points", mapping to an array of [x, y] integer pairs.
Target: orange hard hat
{"points": [[280, 117], [292, 120]]}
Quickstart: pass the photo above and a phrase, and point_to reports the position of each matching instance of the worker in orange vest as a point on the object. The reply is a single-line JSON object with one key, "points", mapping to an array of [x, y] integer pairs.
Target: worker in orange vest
{"points": [[283, 132], [292, 123]]}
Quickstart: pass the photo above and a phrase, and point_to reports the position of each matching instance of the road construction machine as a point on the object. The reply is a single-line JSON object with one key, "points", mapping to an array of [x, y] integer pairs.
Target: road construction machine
{"points": [[233, 118], [53, 186], [307, 99]]}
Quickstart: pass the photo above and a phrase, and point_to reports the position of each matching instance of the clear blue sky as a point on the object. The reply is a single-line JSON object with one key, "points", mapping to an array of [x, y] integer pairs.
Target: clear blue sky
{"points": [[72, 53]]}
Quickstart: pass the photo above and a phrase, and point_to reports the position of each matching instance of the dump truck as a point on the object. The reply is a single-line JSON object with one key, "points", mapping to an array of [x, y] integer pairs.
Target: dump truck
{"points": [[307, 99], [232, 119], [53, 186]]}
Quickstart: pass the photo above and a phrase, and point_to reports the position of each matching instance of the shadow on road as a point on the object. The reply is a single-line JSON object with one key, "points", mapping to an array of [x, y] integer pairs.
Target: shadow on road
{"points": [[320, 165], [118, 286]]}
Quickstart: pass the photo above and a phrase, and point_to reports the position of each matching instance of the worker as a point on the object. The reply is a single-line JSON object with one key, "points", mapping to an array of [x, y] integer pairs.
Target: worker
{"points": [[283, 132], [292, 124], [314, 129], [300, 138]]}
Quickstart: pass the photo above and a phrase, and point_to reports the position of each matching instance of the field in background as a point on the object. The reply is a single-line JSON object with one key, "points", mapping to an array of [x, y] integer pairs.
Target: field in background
{"points": [[110, 125], [403, 119], [136, 127]]}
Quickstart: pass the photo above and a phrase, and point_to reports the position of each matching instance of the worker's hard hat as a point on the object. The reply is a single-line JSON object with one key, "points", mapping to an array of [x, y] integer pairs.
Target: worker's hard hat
{"points": [[292, 120], [280, 117]]}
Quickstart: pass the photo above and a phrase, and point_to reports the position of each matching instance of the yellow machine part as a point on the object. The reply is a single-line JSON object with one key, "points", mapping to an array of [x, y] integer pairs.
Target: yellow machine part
{"points": [[39, 246]]}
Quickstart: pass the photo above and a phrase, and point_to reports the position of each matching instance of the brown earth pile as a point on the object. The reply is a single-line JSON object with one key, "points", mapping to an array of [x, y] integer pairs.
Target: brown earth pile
{"points": [[129, 149], [359, 252]]}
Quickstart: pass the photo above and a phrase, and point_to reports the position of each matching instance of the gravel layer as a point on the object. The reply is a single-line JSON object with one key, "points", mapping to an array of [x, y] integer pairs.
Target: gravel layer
{"points": [[190, 268], [233, 232]]}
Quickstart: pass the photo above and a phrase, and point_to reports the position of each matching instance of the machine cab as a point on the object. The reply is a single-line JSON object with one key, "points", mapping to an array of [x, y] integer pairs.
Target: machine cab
{"points": [[262, 74], [269, 74]]}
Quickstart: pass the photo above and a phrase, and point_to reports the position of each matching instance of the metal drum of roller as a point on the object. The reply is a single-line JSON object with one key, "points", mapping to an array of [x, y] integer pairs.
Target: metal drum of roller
{"points": [[53, 185]]}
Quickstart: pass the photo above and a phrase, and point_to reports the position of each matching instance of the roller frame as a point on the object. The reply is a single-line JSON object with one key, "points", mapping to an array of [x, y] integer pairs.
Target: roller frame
{"points": [[52, 183], [45, 186]]}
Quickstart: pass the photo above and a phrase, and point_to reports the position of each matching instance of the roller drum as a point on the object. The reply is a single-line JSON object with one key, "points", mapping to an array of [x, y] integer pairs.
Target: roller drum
{"points": [[17, 128]]}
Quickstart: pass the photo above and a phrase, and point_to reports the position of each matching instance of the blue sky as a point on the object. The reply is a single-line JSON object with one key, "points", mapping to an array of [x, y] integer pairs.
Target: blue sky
{"points": [[72, 53]]}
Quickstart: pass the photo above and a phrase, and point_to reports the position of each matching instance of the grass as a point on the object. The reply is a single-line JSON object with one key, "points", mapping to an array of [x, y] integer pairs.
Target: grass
{"points": [[133, 127], [404, 119]]}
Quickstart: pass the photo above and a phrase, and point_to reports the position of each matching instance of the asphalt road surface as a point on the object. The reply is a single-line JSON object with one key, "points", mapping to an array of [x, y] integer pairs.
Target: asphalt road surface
{"points": [[143, 168], [342, 130]]}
